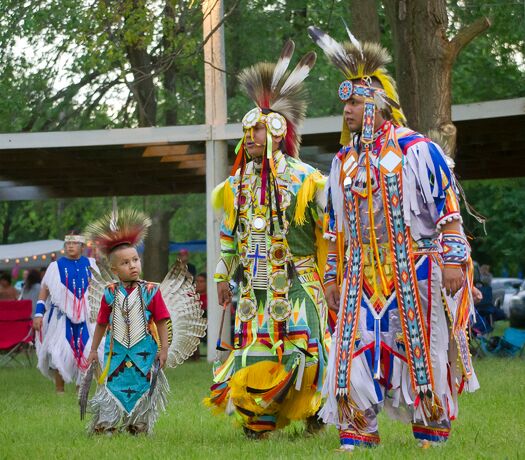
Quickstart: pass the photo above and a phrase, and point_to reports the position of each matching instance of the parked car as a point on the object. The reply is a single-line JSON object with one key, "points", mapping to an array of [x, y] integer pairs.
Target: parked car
{"points": [[502, 286], [516, 300], [502, 290]]}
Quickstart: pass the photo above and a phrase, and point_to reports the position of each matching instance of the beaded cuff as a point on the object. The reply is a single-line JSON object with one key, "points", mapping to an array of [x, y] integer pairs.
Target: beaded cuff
{"points": [[456, 250]]}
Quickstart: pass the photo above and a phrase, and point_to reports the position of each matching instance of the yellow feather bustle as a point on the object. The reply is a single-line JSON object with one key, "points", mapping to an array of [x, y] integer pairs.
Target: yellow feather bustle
{"points": [[267, 375]]}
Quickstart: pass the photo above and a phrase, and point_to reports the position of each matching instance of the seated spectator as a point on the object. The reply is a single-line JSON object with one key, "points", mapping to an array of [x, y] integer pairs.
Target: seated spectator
{"points": [[31, 287], [7, 291]]}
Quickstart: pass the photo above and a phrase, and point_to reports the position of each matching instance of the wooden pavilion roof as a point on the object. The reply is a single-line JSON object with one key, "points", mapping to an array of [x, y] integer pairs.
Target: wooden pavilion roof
{"points": [[169, 160]]}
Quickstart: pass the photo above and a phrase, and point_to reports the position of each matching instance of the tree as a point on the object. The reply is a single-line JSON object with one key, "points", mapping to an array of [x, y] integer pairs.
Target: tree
{"points": [[424, 59], [126, 63]]}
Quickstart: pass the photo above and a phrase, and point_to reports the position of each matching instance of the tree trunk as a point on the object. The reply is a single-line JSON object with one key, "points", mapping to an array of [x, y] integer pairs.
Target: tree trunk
{"points": [[424, 58], [156, 245], [169, 76], [8, 221], [364, 20], [143, 86]]}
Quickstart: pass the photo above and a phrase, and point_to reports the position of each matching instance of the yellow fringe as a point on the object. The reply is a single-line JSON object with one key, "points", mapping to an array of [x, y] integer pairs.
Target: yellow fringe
{"points": [[322, 251], [154, 333], [217, 196], [311, 185], [222, 197], [104, 374]]}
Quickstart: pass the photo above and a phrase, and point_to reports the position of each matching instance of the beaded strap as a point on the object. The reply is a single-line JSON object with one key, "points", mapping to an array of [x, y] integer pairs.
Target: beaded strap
{"points": [[330, 274]]}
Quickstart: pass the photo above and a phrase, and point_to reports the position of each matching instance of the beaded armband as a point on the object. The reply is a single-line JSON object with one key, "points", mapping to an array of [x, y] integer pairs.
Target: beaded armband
{"points": [[330, 274], [456, 250], [222, 273], [40, 309]]}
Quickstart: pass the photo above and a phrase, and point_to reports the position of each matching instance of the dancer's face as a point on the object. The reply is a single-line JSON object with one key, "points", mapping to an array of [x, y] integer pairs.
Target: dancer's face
{"points": [[256, 145], [125, 263], [353, 113], [73, 250]]}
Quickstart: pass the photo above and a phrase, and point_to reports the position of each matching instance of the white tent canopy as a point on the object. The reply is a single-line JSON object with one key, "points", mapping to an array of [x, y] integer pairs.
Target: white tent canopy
{"points": [[31, 254]]}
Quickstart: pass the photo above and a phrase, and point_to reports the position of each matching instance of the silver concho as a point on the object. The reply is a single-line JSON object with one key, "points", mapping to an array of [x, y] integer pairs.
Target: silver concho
{"points": [[246, 309], [251, 118], [278, 282], [280, 309], [259, 223], [276, 124]]}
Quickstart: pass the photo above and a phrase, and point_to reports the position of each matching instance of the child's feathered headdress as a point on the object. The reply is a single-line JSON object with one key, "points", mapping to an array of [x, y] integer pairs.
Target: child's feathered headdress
{"points": [[127, 226], [361, 61]]}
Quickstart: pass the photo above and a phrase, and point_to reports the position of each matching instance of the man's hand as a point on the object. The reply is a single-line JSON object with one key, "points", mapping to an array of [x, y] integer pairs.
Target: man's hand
{"points": [[37, 323], [453, 278], [162, 356], [224, 294], [92, 357], [331, 293]]}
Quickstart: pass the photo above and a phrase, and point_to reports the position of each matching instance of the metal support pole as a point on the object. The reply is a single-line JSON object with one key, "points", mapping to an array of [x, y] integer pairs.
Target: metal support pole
{"points": [[216, 156]]}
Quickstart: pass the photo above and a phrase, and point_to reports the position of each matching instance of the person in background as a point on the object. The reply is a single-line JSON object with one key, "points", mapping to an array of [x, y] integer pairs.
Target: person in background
{"points": [[62, 315], [7, 291], [184, 256], [200, 287], [31, 287], [486, 276]]}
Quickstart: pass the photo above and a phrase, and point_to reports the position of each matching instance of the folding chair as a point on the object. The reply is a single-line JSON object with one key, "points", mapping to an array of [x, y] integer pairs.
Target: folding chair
{"points": [[16, 334], [479, 332], [512, 344]]}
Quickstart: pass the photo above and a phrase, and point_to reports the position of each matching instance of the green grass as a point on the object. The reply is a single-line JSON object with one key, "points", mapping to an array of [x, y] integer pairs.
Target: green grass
{"points": [[38, 424]]}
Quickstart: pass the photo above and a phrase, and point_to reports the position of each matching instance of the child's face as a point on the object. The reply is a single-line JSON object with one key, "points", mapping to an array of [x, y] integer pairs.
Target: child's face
{"points": [[125, 263], [73, 249]]}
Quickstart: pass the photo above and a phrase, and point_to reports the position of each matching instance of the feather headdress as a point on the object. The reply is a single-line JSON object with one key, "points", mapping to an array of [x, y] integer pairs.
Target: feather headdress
{"points": [[127, 226], [361, 61], [276, 90]]}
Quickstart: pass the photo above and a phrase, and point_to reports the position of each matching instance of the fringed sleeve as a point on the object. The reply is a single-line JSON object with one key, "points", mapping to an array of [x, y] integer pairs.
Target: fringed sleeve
{"points": [[429, 188], [334, 211]]}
